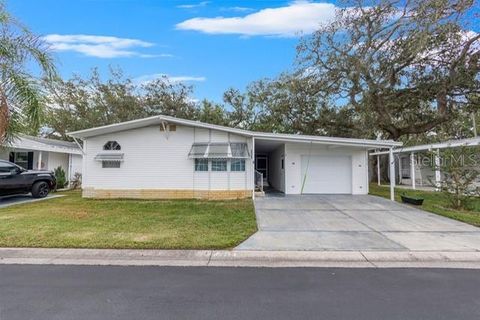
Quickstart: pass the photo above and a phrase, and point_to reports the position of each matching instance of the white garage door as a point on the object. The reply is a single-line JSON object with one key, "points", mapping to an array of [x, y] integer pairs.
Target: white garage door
{"points": [[327, 174]]}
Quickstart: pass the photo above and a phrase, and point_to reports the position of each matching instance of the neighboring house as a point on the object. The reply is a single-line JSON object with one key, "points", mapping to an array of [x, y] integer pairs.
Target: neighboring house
{"points": [[44, 154], [166, 157], [415, 165]]}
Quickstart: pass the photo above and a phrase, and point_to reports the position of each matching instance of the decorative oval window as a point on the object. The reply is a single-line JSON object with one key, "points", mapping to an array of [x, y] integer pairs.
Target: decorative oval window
{"points": [[112, 145]]}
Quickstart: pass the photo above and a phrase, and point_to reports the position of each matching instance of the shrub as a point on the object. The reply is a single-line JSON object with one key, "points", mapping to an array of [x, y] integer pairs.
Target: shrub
{"points": [[61, 177], [76, 182], [459, 170]]}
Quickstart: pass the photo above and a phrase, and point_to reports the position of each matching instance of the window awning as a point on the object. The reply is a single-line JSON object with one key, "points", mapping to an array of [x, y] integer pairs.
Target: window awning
{"points": [[104, 156], [198, 150], [219, 151]]}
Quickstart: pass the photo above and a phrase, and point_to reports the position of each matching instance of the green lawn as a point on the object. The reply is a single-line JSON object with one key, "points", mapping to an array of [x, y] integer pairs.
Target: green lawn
{"points": [[434, 202], [74, 222]]}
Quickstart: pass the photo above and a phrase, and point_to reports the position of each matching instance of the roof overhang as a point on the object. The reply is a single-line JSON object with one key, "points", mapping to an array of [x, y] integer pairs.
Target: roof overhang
{"points": [[151, 121], [470, 142], [347, 142], [28, 144], [157, 120]]}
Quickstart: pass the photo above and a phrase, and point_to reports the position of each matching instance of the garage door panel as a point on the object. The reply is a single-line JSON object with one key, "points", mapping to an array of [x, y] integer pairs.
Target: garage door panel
{"points": [[327, 174]]}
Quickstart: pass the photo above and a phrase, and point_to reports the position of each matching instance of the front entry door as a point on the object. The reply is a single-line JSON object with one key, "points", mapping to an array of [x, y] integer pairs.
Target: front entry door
{"points": [[261, 165]]}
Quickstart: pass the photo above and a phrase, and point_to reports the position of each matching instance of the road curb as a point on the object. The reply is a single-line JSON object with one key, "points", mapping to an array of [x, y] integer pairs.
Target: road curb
{"points": [[225, 258]]}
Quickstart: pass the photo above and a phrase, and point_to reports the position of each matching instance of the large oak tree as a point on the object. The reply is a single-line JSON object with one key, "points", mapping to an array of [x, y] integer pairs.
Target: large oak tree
{"points": [[404, 66], [90, 101]]}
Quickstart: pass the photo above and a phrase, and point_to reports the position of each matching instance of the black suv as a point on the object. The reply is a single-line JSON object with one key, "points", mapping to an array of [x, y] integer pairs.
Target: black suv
{"points": [[17, 180]]}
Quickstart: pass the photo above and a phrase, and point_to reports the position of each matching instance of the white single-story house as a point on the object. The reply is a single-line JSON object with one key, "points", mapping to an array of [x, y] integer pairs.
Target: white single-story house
{"points": [[415, 168], [36, 153], [167, 157]]}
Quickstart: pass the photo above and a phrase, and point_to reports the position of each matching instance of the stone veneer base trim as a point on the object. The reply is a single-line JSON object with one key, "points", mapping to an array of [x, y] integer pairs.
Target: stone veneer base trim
{"points": [[165, 194]]}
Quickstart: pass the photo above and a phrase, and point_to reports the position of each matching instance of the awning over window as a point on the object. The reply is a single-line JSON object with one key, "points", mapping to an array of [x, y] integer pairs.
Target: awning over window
{"points": [[219, 151], [198, 150], [239, 150], [104, 156]]}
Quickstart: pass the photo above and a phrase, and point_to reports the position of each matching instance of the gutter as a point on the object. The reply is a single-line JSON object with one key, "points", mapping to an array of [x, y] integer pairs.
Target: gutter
{"points": [[371, 144]]}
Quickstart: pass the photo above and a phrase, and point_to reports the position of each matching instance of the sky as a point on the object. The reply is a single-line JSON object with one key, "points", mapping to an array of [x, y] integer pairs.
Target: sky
{"points": [[212, 45]]}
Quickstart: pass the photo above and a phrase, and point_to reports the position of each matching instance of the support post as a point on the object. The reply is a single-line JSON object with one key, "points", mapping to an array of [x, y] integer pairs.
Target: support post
{"points": [[400, 169], [391, 161], [412, 170], [438, 176], [39, 161], [378, 169], [253, 167], [474, 123], [69, 175]]}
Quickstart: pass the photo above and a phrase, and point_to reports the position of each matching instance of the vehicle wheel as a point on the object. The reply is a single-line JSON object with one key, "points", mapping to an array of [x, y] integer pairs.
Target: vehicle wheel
{"points": [[40, 189]]}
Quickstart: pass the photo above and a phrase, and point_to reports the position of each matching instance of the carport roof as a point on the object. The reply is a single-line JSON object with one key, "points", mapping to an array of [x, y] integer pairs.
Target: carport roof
{"points": [[469, 142], [43, 144], [161, 119]]}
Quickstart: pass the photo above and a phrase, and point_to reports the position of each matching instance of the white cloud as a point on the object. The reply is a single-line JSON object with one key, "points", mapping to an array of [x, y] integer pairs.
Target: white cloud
{"points": [[151, 77], [299, 16], [161, 55], [100, 46], [237, 9], [193, 6], [187, 79]]}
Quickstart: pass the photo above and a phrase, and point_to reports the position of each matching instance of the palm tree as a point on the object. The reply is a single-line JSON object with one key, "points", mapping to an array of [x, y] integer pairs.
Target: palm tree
{"points": [[24, 60]]}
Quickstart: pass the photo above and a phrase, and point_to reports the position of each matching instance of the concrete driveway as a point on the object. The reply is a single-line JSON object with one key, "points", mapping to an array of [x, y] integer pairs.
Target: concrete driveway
{"points": [[7, 201], [346, 222]]}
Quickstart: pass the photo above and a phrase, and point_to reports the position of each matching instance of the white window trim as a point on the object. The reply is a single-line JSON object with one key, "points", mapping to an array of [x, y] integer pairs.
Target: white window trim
{"points": [[21, 162], [226, 165], [244, 165], [201, 159]]}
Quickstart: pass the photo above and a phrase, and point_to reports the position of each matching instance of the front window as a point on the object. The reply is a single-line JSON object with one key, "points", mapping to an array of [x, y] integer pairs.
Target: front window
{"points": [[112, 145], [110, 164], [219, 165], [21, 159], [237, 165], [201, 164]]}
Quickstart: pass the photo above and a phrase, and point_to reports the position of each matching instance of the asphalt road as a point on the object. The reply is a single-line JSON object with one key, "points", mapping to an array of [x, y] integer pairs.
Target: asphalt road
{"points": [[85, 292]]}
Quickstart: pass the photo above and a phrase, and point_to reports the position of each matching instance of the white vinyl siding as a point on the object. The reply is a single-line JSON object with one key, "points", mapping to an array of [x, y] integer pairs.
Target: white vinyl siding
{"points": [[54, 160], [75, 165], [153, 160]]}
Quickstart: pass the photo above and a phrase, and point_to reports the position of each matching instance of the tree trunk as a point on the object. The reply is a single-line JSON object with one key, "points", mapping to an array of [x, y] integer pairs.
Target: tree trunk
{"points": [[4, 117], [385, 168]]}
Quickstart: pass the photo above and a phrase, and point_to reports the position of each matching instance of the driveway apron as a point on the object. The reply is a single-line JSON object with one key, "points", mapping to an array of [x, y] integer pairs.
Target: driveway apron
{"points": [[354, 223]]}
